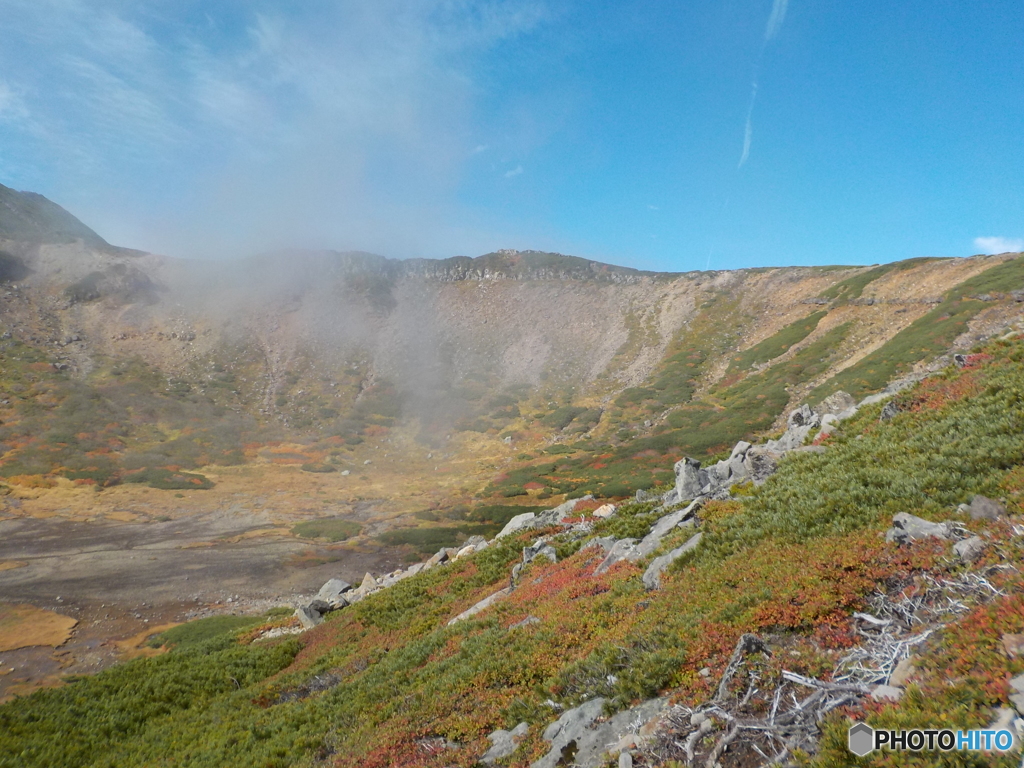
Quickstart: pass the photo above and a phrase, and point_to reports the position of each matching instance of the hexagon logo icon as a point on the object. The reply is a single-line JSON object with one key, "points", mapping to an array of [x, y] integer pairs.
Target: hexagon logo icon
{"points": [[861, 739]]}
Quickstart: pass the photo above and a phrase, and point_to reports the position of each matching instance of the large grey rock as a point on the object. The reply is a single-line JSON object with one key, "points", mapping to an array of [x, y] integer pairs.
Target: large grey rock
{"points": [[539, 549], [652, 576], [518, 523], [906, 527], [484, 604], [620, 551], [984, 508], [690, 478], [440, 557], [307, 618], [568, 730], [694, 481], [660, 529], [760, 464], [803, 417], [889, 411], [333, 590], [504, 743], [836, 403], [970, 549], [793, 437], [530, 520], [594, 740]]}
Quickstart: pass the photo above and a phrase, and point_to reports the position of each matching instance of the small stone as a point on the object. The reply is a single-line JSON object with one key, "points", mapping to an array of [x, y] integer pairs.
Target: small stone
{"points": [[504, 743], [625, 760], [983, 508], [886, 693], [902, 672], [1017, 698], [1004, 721], [1013, 645], [970, 549], [705, 673]]}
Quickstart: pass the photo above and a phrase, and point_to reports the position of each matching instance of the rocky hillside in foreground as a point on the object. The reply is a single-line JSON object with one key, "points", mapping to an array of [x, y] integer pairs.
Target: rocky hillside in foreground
{"points": [[745, 616]]}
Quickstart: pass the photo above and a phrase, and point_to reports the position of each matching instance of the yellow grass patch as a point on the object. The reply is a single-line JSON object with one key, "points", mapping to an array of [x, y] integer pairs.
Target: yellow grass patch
{"points": [[7, 565], [122, 516], [22, 626]]}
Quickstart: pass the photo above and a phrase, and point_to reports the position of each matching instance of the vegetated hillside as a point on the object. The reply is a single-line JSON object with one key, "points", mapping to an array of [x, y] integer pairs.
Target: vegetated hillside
{"points": [[525, 375], [390, 681], [27, 216]]}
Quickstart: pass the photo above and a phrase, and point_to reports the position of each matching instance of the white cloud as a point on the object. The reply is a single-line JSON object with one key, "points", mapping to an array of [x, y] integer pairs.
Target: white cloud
{"points": [[12, 107], [748, 136], [993, 245], [775, 20], [325, 125], [514, 172]]}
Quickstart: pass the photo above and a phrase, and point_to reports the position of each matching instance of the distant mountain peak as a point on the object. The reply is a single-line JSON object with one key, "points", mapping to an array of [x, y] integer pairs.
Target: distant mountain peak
{"points": [[30, 217]]}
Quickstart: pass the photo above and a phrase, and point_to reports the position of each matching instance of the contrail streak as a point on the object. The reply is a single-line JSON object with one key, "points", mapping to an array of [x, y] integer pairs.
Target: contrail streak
{"points": [[776, 19], [778, 15]]}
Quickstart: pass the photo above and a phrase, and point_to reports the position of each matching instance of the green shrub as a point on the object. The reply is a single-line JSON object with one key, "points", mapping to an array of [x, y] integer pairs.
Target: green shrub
{"points": [[168, 480], [330, 528], [202, 630], [320, 468]]}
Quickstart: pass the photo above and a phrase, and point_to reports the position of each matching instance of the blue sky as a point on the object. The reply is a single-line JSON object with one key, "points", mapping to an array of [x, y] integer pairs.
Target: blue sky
{"points": [[670, 136]]}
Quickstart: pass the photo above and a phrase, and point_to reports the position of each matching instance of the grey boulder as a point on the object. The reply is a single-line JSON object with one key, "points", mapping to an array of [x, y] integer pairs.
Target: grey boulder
{"points": [[836, 403], [680, 518], [970, 549], [906, 528], [333, 590], [983, 508], [652, 576], [504, 743], [595, 740], [620, 551], [482, 605]]}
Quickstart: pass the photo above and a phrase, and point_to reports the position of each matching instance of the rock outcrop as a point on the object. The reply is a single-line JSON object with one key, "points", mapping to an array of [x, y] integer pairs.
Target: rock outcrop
{"points": [[652, 576], [907, 528]]}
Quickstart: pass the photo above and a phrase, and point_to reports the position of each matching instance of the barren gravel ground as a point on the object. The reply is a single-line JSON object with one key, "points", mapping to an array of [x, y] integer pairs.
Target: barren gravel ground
{"points": [[119, 580]]}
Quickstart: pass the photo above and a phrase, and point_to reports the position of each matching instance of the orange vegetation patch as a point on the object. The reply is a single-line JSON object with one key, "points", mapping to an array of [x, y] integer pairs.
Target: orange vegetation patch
{"points": [[135, 646], [586, 505], [7, 565], [23, 626]]}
